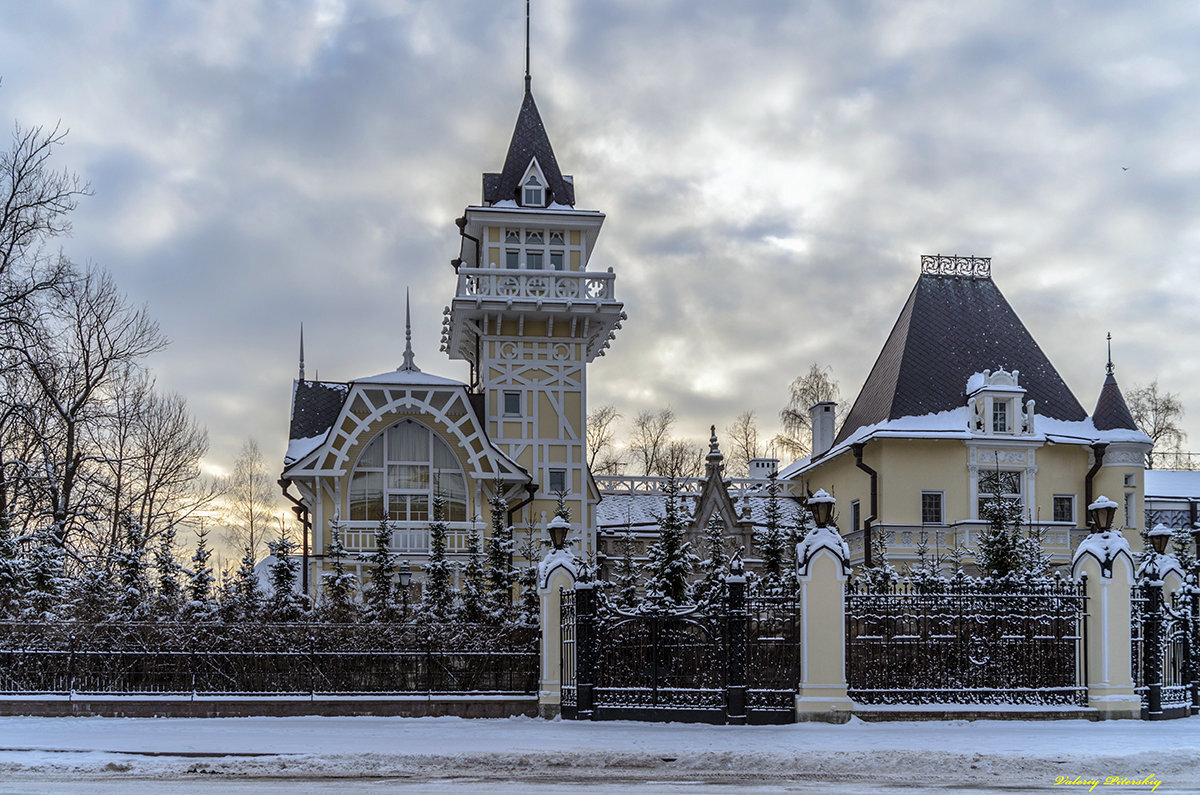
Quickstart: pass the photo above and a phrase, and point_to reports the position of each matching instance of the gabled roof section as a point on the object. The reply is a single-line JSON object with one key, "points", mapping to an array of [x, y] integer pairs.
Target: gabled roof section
{"points": [[1111, 410], [315, 406], [951, 327], [529, 140]]}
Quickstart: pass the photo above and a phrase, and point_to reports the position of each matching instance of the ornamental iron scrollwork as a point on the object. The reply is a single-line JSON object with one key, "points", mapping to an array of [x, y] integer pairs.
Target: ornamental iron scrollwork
{"points": [[946, 265]]}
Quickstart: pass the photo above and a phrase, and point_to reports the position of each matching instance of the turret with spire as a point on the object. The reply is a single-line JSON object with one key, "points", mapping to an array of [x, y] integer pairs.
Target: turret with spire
{"points": [[1111, 410]]}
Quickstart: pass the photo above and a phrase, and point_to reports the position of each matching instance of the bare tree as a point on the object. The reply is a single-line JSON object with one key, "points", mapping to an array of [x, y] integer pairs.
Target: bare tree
{"points": [[602, 458], [76, 353], [815, 386], [35, 201], [651, 436], [1158, 415], [742, 444], [251, 500], [680, 458]]}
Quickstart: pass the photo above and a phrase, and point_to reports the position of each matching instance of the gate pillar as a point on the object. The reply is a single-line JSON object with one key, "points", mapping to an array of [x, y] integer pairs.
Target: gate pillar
{"points": [[822, 569], [735, 636], [556, 572], [1104, 558]]}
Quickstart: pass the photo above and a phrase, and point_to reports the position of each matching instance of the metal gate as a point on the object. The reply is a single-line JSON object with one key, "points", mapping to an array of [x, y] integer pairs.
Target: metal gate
{"points": [[1163, 637], [737, 664]]}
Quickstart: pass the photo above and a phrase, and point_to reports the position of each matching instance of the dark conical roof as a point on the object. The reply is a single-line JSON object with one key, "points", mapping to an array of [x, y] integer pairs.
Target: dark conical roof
{"points": [[952, 327], [1111, 411], [529, 140]]}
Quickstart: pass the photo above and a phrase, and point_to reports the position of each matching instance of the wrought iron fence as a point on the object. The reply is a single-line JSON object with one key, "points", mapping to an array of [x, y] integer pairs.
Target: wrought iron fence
{"points": [[263, 659], [736, 662], [978, 642], [1169, 660]]}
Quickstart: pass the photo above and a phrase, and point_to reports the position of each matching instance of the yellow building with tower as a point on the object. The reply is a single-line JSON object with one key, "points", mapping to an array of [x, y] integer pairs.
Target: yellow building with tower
{"points": [[528, 315]]}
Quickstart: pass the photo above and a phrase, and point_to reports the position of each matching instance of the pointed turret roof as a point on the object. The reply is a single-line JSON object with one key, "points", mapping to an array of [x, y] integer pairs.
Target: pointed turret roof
{"points": [[1111, 410], [951, 327], [529, 141]]}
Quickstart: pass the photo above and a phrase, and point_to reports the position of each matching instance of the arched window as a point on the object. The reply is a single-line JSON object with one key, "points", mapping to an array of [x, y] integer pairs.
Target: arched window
{"points": [[400, 471]]}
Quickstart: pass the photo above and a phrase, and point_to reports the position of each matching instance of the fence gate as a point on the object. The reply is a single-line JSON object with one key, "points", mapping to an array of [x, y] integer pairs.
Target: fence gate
{"points": [[975, 642], [1163, 643], [737, 664]]}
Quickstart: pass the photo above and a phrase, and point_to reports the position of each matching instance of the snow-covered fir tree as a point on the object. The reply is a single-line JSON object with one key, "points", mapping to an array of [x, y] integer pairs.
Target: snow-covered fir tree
{"points": [[771, 541], [881, 574], [530, 607], [438, 596], [245, 601], [925, 574], [379, 597], [285, 604], [200, 605], [168, 596], [710, 588], [670, 559], [499, 569], [472, 590], [998, 552], [45, 578], [626, 576], [12, 577], [338, 585], [133, 576], [90, 595]]}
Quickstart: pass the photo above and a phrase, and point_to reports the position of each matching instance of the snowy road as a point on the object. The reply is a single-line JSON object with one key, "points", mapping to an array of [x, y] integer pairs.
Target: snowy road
{"points": [[521, 754]]}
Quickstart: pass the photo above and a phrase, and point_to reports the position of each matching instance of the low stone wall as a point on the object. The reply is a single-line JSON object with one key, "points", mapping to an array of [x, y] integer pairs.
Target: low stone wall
{"points": [[499, 706]]}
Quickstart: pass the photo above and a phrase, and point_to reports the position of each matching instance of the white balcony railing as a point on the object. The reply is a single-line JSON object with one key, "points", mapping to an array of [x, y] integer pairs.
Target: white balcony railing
{"points": [[360, 537], [535, 285]]}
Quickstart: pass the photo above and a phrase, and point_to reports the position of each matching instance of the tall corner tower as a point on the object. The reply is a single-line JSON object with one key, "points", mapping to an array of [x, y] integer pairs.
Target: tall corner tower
{"points": [[529, 315]]}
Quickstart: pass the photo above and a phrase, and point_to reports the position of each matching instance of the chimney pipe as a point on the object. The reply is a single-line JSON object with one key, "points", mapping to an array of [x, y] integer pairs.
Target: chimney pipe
{"points": [[822, 426]]}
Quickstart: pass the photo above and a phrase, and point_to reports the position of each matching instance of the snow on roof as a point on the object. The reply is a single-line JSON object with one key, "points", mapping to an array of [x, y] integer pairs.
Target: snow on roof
{"points": [[615, 511], [952, 424], [1172, 484], [408, 378], [298, 448]]}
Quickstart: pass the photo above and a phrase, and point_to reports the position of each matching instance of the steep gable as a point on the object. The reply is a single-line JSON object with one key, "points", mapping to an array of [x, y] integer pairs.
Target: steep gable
{"points": [[951, 327], [529, 141]]}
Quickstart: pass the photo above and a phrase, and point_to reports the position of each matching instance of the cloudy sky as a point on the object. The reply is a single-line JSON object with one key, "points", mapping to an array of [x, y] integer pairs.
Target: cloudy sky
{"points": [[771, 173]]}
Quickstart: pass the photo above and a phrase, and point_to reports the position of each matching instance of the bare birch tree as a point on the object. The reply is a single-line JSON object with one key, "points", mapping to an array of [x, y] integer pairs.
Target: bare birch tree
{"points": [[251, 500]]}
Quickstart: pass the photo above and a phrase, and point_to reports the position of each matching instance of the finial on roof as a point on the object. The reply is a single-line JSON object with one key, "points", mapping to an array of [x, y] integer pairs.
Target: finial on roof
{"points": [[301, 351], [408, 364], [1110, 366], [714, 459], [527, 78]]}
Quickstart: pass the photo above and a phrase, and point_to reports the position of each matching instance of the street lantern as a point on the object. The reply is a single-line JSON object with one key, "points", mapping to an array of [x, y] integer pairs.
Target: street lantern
{"points": [[404, 574], [821, 505], [1100, 514], [558, 528], [1159, 537]]}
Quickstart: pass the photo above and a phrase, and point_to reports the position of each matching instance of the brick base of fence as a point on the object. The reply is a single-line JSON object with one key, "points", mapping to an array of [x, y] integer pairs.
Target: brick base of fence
{"points": [[416, 706]]}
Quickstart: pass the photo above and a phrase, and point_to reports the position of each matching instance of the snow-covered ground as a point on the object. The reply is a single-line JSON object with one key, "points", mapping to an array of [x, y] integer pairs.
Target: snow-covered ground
{"points": [[521, 754]]}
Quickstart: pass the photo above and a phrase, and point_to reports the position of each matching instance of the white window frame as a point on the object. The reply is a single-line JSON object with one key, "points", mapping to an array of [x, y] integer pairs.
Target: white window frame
{"points": [[561, 476], [504, 403], [855, 515], [981, 495], [1054, 507], [535, 195], [941, 495]]}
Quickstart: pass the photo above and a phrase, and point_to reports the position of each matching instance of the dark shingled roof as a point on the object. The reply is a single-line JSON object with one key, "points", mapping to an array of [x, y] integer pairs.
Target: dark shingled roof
{"points": [[952, 327], [315, 407], [1111, 411], [529, 140]]}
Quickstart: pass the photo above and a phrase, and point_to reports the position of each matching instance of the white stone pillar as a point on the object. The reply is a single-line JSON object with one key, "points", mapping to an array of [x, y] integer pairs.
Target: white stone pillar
{"points": [[822, 568], [1105, 559], [556, 573]]}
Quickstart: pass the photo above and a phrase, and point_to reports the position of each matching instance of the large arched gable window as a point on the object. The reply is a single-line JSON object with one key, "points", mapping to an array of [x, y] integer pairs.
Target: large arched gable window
{"points": [[400, 471]]}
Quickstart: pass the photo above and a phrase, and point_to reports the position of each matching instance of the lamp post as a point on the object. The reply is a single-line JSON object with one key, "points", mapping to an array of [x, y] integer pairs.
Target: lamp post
{"points": [[1152, 657], [1100, 514], [404, 577], [557, 528], [821, 505]]}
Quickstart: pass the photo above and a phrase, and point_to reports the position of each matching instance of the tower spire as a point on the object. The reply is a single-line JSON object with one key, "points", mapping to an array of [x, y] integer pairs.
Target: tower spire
{"points": [[1110, 365], [408, 364], [527, 77], [302, 351]]}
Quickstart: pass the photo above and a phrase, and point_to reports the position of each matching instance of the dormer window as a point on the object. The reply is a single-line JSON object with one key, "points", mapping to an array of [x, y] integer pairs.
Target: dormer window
{"points": [[1000, 416], [534, 192]]}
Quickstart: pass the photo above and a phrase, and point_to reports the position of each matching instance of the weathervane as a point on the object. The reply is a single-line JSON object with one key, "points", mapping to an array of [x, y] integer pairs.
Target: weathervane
{"points": [[1110, 367], [527, 78]]}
